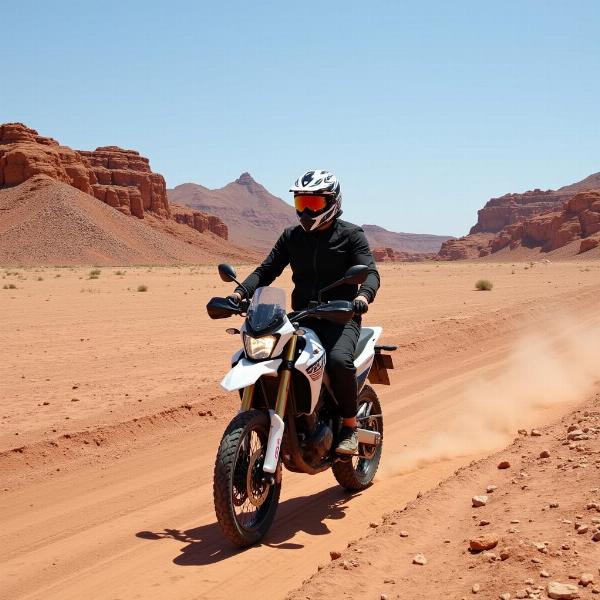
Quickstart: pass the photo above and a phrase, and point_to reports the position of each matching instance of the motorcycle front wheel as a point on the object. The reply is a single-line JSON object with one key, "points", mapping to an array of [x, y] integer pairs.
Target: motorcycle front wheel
{"points": [[245, 502]]}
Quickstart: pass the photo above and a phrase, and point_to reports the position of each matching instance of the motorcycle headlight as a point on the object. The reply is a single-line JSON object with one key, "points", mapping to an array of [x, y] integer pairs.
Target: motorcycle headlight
{"points": [[259, 348]]}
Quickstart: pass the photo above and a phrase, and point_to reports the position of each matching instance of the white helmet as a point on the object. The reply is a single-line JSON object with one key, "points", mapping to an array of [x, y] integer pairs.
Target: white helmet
{"points": [[318, 198]]}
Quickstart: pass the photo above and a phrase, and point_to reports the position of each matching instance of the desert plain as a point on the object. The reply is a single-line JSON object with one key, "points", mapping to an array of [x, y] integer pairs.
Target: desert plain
{"points": [[111, 414]]}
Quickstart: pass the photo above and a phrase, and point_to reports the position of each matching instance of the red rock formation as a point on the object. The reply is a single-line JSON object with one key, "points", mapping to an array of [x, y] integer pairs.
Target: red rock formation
{"points": [[578, 220], [24, 154], [120, 178], [199, 220], [123, 179]]}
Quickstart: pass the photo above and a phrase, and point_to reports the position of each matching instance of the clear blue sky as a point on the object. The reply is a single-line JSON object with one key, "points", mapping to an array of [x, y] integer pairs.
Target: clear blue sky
{"points": [[424, 110]]}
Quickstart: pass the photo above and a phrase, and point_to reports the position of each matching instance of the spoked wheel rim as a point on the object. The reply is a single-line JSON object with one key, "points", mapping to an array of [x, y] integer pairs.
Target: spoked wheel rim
{"points": [[250, 493]]}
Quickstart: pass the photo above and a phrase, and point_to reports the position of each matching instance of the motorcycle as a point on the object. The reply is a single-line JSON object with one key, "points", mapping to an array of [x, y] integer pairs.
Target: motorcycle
{"points": [[289, 414]]}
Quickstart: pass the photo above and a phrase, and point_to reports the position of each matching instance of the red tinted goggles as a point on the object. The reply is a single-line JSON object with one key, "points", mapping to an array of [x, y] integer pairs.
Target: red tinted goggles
{"points": [[310, 202]]}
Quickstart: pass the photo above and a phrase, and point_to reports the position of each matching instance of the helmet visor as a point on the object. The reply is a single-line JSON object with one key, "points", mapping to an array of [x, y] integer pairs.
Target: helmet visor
{"points": [[311, 202]]}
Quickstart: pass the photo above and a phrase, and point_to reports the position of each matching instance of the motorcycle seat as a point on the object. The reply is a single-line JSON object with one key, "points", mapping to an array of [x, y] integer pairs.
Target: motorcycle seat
{"points": [[366, 333]]}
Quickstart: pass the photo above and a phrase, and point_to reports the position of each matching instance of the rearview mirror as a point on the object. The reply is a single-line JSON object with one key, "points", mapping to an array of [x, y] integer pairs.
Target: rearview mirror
{"points": [[356, 274], [227, 272]]}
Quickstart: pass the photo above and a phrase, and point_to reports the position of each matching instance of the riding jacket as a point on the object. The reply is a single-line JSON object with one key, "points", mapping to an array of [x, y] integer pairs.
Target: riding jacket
{"points": [[317, 259]]}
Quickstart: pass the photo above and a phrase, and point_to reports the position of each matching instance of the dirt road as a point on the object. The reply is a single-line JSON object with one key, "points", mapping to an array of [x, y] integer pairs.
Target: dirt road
{"points": [[131, 517]]}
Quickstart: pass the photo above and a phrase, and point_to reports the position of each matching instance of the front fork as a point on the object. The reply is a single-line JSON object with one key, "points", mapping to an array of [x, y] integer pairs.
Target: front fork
{"points": [[277, 425]]}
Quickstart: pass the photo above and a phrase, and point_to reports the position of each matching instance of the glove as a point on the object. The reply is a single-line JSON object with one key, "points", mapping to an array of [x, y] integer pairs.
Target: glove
{"points": [[360, 305], [234, 299]]}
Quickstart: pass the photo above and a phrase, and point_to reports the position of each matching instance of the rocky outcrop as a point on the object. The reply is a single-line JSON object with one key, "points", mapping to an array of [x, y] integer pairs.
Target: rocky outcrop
{"points": [[471, 246], [24, 154], [411, 243], [123, 179], [199, 221], [120, 178], [578, 219]]}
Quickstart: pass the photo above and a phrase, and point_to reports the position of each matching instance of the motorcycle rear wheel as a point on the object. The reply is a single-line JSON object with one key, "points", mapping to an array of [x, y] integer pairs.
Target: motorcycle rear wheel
{"points": [[245, 505], [357, 473]]}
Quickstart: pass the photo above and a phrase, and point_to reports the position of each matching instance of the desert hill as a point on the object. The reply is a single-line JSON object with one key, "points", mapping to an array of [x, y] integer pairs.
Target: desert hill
{"points": [[564, 222], [254, 216], [49, 222], [121, 180], [404, 242]]}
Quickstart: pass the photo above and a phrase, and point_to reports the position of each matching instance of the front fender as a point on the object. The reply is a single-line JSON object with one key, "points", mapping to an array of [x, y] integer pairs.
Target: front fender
{"points": [[247, 372]]}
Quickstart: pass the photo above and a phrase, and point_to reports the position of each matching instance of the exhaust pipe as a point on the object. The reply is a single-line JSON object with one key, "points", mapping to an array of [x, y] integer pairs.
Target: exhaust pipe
{"points": [[366, 436]]}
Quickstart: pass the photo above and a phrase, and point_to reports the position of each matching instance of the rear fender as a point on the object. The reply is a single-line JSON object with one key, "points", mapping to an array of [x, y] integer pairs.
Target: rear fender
{"points": [[247, 372]]}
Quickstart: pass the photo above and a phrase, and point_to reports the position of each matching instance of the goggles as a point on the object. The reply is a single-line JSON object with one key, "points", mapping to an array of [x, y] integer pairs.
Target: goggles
{"points": [[311, 202]]}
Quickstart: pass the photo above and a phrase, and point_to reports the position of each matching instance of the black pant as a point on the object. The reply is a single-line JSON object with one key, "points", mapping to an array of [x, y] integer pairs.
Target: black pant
{"points": [[339, 341]]}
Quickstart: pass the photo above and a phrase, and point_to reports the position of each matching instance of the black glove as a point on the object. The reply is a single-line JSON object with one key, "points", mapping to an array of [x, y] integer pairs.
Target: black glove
{"points": [[233, 299], [360, 306]]}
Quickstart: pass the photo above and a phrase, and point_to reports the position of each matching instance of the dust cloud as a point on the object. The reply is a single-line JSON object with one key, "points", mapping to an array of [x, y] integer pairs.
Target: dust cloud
{"points": [[560, 365]]}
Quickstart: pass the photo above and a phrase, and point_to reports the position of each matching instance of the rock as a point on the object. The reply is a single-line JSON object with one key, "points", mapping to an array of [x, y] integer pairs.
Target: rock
{"points": [[504, 464], [562, 591], [505, 553], [478, 501], [544, 454], [483, 523], [486, 541], [120, 178], [475, 589], [504, 596], [404, 533], [373, 525], [582, 529], [536, 433], [334, 554], [521, 594], [419, 559], [554, 504], [596, 537], [544, 573], [586, 579], [491, 488]]}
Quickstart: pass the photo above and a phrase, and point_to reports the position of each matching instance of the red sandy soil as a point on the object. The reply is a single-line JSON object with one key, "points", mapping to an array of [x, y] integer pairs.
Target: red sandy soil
{"points": [[46, 222], [111, 415], [540, 527]]}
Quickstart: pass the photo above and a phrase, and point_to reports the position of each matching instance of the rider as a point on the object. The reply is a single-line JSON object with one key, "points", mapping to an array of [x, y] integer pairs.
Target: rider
{"points": [[319, 251]]}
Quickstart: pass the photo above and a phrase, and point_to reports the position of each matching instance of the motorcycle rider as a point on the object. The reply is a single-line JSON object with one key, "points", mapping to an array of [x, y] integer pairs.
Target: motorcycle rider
{"points": [[320, 250]]}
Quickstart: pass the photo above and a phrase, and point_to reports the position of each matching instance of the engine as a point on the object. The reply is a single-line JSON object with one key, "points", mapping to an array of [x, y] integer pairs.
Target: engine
{"points": [[317, 445]]}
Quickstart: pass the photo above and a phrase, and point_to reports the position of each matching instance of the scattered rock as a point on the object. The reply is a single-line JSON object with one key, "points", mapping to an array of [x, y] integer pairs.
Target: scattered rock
{"points": [[486, 541], [475, 589], [586, 579], [562, 591], [478, 501], [404, 533], [491, 488], [505, 553], [544, 454], [504, 464], [483, 522], [334, 554], [544, 573], [504, 596], [419, 559]]}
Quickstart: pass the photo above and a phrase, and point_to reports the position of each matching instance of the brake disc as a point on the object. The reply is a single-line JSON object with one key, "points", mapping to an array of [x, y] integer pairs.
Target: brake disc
{"points": [[256, 488]]}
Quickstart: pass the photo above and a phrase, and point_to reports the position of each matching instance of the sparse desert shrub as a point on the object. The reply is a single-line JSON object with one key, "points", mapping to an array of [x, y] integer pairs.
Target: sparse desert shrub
{"points": [[119, 272], [9, 286], [483, 285], [95, 273], [40, 279], [142, 288]]}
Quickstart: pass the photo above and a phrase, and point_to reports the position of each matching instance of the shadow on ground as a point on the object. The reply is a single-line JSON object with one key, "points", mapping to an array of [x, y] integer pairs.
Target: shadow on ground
{"points": [[206, 545]]}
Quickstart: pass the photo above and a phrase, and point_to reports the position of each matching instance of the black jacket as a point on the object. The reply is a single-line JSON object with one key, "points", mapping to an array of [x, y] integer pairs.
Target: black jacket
{"points": [[318, 259]]}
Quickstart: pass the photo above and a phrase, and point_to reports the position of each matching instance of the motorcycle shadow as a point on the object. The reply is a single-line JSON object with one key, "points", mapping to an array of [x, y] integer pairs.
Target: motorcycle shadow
{"points": [[206, 545]]}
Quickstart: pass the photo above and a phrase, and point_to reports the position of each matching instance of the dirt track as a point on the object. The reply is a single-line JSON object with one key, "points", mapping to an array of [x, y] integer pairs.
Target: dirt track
{"points": [[132, 516]]}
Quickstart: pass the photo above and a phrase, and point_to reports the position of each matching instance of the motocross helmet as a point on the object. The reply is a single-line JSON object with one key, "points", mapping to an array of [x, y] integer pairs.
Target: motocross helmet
{"points": [[318, 198]]}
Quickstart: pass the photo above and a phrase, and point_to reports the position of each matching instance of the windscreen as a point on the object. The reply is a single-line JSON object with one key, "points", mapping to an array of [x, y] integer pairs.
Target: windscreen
{"points": [[267, 309]]}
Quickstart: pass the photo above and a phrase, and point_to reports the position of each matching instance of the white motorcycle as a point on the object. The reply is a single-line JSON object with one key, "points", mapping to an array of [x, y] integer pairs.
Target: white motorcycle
{"points": [[288, 412]]}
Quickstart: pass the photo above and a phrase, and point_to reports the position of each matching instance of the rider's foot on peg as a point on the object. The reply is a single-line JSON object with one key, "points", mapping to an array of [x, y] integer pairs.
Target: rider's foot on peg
{"points": [[348, 441]]}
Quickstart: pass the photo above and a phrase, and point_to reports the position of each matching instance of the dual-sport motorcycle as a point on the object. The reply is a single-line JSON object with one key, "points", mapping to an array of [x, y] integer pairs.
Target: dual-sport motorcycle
{"points": [[288, 412]]}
